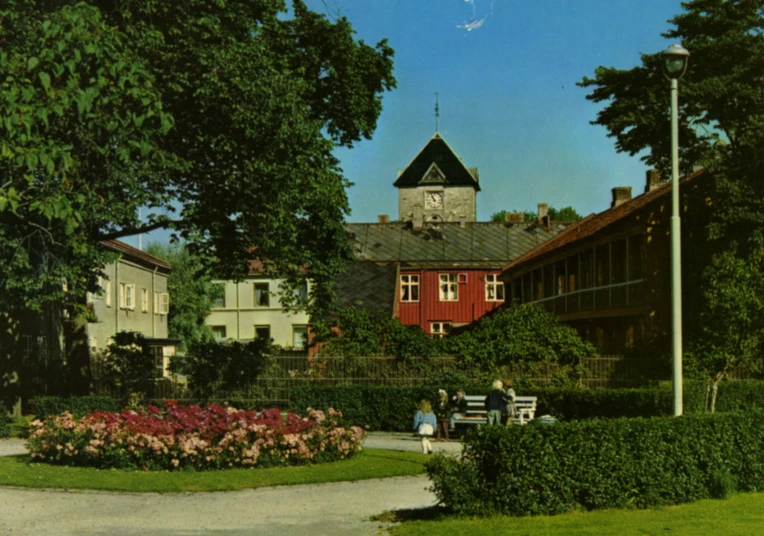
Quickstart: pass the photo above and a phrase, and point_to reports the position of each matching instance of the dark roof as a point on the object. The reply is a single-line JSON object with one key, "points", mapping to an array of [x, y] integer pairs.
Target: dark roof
{"points": [[136, 254], [476, 245], [438, 152], [368, 285], [596, 222]]}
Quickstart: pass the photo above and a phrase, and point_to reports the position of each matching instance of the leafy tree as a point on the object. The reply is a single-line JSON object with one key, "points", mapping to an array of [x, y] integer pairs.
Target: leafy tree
{"points": [[129, 365], [721, 100], [191, 291], [732, 321], [524, 335], [563, 214], [220, 117]]}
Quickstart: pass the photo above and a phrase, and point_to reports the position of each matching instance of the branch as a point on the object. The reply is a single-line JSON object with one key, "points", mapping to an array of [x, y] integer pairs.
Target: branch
{"points": [[164, 224]]}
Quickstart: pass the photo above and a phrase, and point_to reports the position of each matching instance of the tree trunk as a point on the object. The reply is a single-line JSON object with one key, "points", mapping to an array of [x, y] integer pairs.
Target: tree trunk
{"points": [[708, 393], [77, 354]]}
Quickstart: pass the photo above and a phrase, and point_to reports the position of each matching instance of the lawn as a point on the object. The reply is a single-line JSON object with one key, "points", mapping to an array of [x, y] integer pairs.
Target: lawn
{"points": [[369, 463], [742, 515]]}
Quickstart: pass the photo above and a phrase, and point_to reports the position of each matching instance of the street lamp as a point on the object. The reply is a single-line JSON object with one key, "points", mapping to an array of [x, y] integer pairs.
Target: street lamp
{"points": [[675, 59]]}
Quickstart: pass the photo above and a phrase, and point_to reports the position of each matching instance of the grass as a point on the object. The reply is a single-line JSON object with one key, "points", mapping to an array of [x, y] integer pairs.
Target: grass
{"points": [[742, 515], [369, 463]]}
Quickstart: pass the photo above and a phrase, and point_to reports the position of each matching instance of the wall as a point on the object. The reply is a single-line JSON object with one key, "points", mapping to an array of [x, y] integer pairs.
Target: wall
{"points": [[458, 202], [240, 315]]}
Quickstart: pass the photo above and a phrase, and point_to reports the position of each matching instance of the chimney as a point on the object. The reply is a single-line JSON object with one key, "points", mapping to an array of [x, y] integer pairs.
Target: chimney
{"points": [[621, 194], [462, 222], [543, 211], [514, 217], [654, 179], [383, 218]]}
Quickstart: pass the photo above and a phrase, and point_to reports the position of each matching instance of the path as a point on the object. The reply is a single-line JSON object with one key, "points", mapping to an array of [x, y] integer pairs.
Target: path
{"points": [[341, 508]]}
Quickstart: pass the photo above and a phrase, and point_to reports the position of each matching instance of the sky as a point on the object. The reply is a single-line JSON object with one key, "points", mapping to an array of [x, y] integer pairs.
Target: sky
{"points": [[505, 72]]}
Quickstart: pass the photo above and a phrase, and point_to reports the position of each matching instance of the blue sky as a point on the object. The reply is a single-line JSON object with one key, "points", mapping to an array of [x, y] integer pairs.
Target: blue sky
{"points": [[509, 104]]}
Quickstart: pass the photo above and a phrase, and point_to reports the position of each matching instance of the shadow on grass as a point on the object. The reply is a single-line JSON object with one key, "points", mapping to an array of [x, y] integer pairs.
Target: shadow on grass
{"points": [[430, 513]]}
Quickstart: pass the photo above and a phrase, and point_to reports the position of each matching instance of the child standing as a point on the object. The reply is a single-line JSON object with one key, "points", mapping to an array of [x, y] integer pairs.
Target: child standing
{"points": [[441, 412], [424, 425]]}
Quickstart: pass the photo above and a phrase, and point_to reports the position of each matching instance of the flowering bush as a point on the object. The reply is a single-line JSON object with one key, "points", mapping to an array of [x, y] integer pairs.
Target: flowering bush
{"points": [[179, 437]]}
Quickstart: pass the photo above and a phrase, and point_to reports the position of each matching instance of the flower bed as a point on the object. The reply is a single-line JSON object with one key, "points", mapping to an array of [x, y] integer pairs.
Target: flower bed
{"points": [[179, 437]]}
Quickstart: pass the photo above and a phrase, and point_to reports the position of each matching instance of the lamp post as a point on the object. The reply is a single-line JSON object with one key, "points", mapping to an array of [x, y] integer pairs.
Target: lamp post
{"points": [[675, 59]]}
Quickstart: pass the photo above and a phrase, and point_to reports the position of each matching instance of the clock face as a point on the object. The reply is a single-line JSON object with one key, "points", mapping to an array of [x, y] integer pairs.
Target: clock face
{"points": [[434, 199]]}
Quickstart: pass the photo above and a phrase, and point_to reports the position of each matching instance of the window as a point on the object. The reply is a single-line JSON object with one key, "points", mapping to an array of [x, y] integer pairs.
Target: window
{"points": [[449, 287], [218, 295], [262, 298], [218, 333], [299, 336], [440, 329], [494, 289], [559, 272], [301, 294], [145, 300], [409, 288], [106, 285], [263, 332], [164, 303], [158, 352], [127, 296]]}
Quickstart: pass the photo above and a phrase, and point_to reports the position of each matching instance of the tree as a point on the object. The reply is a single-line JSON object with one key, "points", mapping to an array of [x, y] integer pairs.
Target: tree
{"points": [[732, 321], [192, 292], [721, 108], [563, 214], [129, 365], [220, 117]]}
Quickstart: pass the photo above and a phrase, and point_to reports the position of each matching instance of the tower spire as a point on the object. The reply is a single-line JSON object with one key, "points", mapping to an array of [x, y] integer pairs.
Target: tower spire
{"points": [[437, 112]]}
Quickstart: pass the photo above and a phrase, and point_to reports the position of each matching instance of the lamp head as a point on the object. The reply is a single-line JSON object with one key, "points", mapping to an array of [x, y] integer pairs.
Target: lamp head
{"points": [[675, 59]]}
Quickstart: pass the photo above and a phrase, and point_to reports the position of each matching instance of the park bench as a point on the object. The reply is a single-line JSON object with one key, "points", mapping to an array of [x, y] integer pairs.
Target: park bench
{"points": [[476, 412]]}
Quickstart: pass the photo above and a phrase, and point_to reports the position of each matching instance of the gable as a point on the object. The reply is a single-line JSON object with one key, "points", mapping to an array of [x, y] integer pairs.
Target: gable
{"points": [[437, 163]]}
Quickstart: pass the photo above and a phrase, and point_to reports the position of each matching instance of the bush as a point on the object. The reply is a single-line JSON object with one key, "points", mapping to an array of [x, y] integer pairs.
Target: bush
{"points": [[5, 424], [529, 470], [78, 406], [191, 437]]}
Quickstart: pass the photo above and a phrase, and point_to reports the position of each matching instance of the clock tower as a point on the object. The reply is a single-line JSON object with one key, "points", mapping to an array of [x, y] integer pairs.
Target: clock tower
{"points": [[436, 186]]}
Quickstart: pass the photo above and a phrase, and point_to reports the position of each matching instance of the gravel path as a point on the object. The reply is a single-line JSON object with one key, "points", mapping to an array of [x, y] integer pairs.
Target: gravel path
{"points": [[341, 508]]}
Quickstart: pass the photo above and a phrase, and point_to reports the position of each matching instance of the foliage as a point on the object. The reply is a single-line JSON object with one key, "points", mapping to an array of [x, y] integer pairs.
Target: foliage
{"points": [[129, 364], [231, 367], [525, 335], [179, 437], [598, 464], [78, 406], [721, 100], [353, 332], [732, 320], [191, 292], [5, 424], [220, 117], [564, 214]]}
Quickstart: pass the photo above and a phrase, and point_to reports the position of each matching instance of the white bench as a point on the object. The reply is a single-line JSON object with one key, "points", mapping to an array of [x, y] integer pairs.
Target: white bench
{"points": [[476, 412]]}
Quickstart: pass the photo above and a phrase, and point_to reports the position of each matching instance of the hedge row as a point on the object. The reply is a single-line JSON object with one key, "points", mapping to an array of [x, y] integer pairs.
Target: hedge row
{"points": [[591, 464], [392, 408], [78, 406], [5, 423]]}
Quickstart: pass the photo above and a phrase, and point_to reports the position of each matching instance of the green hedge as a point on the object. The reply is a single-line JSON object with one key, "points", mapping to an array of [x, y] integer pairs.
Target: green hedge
{"points": [[392, 408], [590, 464], [76, 405], [5, 424]]}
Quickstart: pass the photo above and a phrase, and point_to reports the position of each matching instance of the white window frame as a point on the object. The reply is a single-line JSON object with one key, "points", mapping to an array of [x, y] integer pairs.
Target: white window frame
{"points": [[440, 329], [215, 335], [267, 294], [295, 327], [106, 285], [127, 296], [409, 282], [261, 326], [492, 286], [145, 300], [448, 288], [164, 303]]}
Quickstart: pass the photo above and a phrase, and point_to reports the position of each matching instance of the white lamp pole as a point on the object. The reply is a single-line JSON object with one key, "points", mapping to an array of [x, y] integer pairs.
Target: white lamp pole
{"points": [[675, 60]]}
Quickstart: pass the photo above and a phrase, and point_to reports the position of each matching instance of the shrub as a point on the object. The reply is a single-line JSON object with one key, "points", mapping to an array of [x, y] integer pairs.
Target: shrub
{"points": [[78, 406], [192, 437], [529, 470], [5, 421], [129, 364]]}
